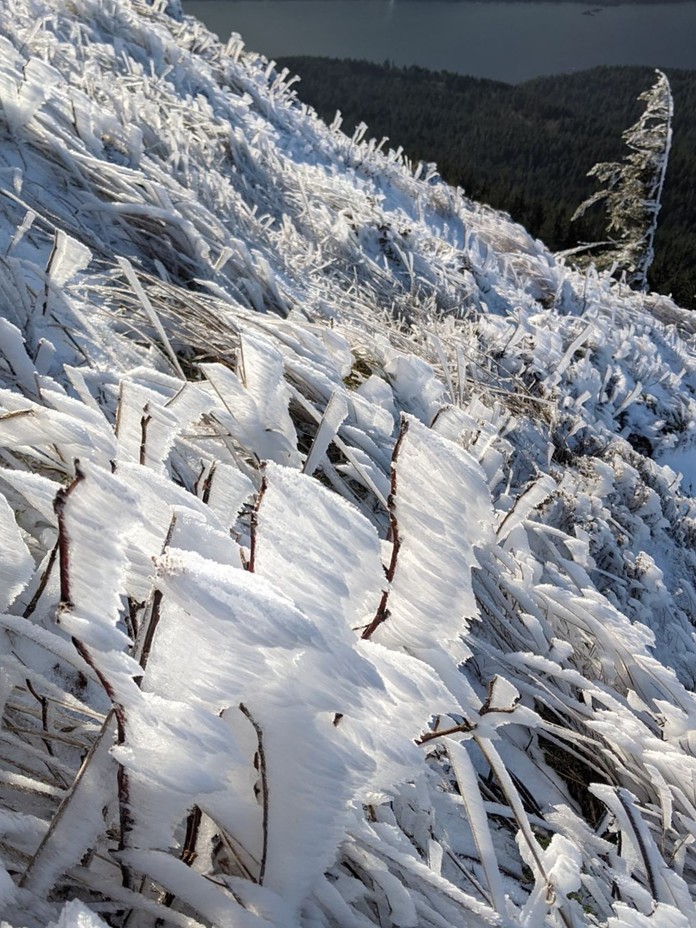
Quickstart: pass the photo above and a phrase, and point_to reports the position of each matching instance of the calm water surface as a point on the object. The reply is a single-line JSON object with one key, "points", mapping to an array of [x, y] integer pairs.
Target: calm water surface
{"points": [[506, 41]]}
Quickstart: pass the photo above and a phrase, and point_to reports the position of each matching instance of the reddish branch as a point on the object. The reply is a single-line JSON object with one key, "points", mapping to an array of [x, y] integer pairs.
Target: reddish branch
{"points": [[123, 785], [149, 636], [263, 773], [131, 616], [43, 702], [150, 623], [59, 503], [208, 483], [188, 851], [488, 704], [144, 422], [462, 728], [193, 823], [382, 613], [254, 525], [33, 603], [124, 814]]}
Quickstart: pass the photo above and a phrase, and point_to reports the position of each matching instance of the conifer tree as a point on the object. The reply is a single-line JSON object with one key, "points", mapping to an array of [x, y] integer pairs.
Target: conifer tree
{"points": [[633, 187]]}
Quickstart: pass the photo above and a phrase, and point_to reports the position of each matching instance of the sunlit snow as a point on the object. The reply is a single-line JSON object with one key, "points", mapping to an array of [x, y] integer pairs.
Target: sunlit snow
{"points": [[348, 576]]}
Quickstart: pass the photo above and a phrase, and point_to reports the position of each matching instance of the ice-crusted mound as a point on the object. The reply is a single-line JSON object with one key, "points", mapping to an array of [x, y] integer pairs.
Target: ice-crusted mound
{"points": [[346, 581]]}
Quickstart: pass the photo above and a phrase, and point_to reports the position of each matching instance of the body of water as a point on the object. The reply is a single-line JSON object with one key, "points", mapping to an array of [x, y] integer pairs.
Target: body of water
{"points": [[504, 41]]}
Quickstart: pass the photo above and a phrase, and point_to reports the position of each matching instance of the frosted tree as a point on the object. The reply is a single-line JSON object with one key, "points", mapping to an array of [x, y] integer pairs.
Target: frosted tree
{"points": [[633, 187]]}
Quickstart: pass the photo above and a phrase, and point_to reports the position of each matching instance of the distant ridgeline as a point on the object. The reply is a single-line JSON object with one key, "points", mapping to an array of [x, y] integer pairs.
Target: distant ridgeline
{"points": [[525, 148]]}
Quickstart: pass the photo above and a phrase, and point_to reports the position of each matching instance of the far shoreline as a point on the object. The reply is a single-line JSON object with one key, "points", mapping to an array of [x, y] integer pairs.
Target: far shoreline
{"points": [[593, 5]]}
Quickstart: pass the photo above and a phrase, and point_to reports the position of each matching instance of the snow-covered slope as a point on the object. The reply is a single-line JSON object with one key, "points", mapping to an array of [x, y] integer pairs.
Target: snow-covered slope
{"points": [[345, 579]]}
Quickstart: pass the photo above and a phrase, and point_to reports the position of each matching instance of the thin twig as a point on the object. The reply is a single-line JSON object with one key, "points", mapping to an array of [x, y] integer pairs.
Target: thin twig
{"points": [[47, 272], [462, 728], [264, 788], [188, 851], [63, 542], [55, 821], [146, 633], [382, 613], [629, 809], [34, 601], [43, 702], [124, 814], [227, 841], [254, 524], [208, 482], [144, 422], [151, 628]]}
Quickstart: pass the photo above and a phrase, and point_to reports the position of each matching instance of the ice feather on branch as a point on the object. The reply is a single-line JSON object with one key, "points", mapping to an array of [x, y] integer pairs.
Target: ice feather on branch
{"points": [[348, 536]]}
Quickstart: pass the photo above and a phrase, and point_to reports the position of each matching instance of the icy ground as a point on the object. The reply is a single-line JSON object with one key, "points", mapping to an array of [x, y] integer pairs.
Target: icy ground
{"points": [[342, 584]]}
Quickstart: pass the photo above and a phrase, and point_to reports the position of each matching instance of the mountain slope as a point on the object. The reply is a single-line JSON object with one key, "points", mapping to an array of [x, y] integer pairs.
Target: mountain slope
{"points": [[345, 579], [524, 148]]}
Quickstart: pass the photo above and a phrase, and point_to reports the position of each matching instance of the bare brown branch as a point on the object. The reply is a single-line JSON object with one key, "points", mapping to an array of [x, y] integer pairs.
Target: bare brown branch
{"points": [[264, 788], [382, 613], [59, 504], [253, 525]]}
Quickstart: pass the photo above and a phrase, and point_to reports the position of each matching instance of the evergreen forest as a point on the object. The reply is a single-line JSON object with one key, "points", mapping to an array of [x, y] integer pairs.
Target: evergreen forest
{"points": [[525, 148]]}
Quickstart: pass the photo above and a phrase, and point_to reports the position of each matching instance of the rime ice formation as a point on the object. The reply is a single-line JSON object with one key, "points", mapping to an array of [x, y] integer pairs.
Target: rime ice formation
{"points": [[345, 580]]}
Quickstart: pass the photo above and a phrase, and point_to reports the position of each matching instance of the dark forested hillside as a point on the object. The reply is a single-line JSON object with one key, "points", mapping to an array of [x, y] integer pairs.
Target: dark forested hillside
{"points": [[526, 148]]}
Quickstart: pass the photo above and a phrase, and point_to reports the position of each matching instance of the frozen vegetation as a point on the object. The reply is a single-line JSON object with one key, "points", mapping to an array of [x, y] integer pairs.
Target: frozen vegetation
{"points": [[348, 572]]}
